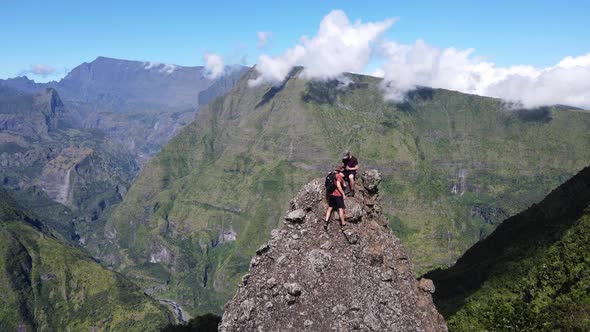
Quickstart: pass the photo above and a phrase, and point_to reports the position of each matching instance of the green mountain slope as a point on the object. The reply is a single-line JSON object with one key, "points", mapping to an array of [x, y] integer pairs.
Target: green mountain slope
{"points": [[531, 274], [454, 166], [47, 285]]}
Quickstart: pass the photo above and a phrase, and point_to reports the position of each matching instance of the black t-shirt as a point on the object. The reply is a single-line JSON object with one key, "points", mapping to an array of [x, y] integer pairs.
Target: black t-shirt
{"points": [[350, 162]]}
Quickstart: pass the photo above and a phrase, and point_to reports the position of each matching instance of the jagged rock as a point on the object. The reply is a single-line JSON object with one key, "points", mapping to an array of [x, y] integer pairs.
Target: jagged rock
{"points": [[426, 285], [371, 179], [319, 259], [354, 211], [341, 279], [246, 309], [263, 248], [296, 216], [290, 299], [271, 282], [282, 259], [351, 236], [326, 245], [293, 288], [254, 261], [245, 278]]}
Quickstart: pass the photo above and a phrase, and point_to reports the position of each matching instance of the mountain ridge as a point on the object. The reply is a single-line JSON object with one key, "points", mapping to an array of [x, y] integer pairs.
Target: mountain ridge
{"points": [[531, 273], [140, 104], [454, 166]]}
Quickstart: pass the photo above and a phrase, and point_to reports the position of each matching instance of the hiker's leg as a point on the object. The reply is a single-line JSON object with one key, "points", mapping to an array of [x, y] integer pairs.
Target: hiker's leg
{"points": [[351, 180], [328, 214], [341, 214]]}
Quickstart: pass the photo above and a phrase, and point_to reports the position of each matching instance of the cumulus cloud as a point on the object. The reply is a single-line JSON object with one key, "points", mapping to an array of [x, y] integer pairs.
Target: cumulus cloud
{"points": [[343, 46], [214, 66], [419, 64], [263, 37], [39, 70], [339, 46]]}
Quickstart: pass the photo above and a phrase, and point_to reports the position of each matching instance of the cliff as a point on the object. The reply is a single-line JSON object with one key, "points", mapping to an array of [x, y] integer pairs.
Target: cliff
{"points": [[357, 277]]}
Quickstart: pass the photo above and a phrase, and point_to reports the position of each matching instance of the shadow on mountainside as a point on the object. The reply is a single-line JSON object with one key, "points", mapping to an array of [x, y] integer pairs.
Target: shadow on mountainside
{"points": [[516, 239]]}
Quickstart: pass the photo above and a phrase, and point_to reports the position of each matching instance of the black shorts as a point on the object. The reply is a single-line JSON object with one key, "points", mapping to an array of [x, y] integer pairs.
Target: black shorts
{"points": [[336, 202], [347, 173]]}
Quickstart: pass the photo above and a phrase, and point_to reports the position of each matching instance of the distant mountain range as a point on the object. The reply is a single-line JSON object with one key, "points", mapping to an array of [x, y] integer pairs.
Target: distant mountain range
{"points": [[70, 159], [123, 85], [140, 104]]}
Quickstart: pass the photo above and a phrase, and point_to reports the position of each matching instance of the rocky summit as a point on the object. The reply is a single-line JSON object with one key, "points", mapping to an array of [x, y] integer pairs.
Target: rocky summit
{"points": [[352, 278]]}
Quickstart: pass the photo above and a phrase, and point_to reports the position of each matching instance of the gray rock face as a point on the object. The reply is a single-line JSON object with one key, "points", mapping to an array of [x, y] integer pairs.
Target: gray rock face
{"points": [[371, 179], [357, 278], [296, 216]]}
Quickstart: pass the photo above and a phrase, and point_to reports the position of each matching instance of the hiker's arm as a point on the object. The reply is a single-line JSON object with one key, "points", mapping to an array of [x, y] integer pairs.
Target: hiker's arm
{"points": [[355, 168], [339, 186]]}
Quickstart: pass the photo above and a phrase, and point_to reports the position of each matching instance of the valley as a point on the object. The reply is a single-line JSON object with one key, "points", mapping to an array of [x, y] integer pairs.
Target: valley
{"points": [[170, 166], [454, 167]]}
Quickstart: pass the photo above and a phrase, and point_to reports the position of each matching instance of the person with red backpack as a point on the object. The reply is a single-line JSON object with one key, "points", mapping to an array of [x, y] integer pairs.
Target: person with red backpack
{"points": [[335, 193]]}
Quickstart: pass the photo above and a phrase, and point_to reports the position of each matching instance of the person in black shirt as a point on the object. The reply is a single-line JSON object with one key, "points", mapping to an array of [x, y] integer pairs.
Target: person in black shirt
{"points": [[351, 166]]}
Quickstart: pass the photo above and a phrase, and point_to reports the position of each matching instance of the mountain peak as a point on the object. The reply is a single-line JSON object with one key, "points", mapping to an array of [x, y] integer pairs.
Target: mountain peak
{"points": [[50, 97], [356, 277]]}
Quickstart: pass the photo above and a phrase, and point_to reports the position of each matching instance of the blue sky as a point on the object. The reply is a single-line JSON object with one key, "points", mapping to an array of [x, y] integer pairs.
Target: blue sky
{"points": [[63, 34]]}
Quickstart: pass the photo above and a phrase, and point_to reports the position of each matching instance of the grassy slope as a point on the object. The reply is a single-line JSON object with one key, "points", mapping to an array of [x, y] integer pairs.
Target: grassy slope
{"points": [[253, 148], [531, 274], [50, 286]]}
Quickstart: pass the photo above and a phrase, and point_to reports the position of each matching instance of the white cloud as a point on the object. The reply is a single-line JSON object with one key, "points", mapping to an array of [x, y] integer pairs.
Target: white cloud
{"points": [[263, 37], [420, 64], [161, 67], [339, 46], [40, 70], [168, 68], [343, 46], [214, 66]]}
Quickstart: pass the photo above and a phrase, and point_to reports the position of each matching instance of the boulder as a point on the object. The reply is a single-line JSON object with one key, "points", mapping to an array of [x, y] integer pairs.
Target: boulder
{"points": [[297, 216]]}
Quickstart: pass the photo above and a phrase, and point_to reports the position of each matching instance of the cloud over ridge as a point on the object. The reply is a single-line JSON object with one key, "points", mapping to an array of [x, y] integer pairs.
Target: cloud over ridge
{"points": [[214, 65], [39, 70], [419, 64], [338, 46], [342, 46]]}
